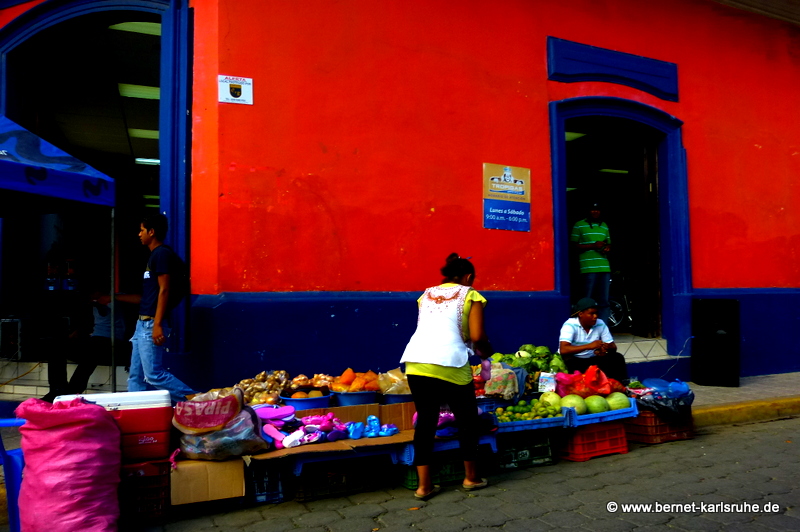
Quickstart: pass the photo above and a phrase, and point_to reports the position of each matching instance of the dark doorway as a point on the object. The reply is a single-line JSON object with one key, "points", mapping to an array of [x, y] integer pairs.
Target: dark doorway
{"points": [[91, 86], [614, 161]]}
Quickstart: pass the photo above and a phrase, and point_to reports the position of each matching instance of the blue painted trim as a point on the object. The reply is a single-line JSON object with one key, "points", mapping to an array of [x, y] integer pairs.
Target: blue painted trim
{"points": [[174, 120], [325, 332], [673, 203], [571, 62], [732, 293]]}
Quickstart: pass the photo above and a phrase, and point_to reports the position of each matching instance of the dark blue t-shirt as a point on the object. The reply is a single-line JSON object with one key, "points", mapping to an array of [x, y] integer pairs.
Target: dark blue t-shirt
{"points": [[162, 260]]}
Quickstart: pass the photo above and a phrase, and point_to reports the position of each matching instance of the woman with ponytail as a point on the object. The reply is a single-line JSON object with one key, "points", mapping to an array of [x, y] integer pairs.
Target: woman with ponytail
{"points": [[449, 330]]}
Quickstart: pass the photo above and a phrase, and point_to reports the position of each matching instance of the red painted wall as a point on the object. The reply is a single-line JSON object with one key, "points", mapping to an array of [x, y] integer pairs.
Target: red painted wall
{"points": [[359, 165], [10, 13]]}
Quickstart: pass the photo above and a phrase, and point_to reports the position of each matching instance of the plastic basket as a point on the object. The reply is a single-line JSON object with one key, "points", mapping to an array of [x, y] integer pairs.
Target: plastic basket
{"points": [[594, 440], [449, 470], [395, 398], [144, 492], [355, 398], [490, 404], [264, 482], [308, 402], [533, 424], [650, 429], [343, 476], [524, 449], [602, 417], [406, 455]]}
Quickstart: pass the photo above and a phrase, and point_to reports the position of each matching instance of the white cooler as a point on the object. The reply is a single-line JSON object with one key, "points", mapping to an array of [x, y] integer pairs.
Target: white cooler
{"points": [[144, 418]]}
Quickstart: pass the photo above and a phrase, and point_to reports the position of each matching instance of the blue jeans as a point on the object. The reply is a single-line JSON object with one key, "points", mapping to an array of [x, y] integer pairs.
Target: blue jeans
{"points": [[596, 286], [147, 370]]}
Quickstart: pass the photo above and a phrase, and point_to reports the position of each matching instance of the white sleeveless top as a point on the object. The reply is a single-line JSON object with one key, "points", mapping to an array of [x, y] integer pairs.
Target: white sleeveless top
{"points": [[438, 338]]}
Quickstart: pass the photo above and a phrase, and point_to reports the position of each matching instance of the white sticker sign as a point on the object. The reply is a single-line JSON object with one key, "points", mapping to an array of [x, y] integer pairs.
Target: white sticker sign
{"points": [[235, 89]]}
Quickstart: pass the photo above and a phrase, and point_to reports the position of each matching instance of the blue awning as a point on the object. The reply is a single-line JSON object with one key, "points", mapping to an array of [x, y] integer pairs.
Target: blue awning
{"points": [[30, 164]]}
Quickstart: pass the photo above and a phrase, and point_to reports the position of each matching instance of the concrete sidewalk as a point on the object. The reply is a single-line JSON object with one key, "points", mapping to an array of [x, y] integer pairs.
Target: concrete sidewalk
{"points": [[756, 399]]}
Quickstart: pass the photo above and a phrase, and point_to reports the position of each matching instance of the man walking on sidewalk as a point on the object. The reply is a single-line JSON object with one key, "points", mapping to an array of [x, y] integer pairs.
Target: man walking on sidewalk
{"points": [[160, 294]]}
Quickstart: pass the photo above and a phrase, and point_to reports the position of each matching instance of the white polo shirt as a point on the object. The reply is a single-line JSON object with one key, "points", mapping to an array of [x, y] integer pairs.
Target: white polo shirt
{"points": [[576, 335]]}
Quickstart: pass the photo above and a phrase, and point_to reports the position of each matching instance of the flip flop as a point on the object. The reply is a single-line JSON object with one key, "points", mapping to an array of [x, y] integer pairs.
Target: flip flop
{"points": [[434, 491], [474, 487]]}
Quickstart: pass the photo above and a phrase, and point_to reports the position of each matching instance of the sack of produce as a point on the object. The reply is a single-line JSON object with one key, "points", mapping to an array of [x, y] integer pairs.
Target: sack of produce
{"points": [[72, 467], [199, 417], [597, 381], [393, 382], [572, 384], [240, 436], [502, 384]]}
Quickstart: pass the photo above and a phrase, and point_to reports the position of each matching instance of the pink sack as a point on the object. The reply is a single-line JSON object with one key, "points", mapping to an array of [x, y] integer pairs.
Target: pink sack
{"points": [[72, 467]]}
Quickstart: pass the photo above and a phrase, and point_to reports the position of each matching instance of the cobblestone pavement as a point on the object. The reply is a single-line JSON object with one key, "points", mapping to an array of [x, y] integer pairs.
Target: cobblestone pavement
{"points": [[737, 465]]}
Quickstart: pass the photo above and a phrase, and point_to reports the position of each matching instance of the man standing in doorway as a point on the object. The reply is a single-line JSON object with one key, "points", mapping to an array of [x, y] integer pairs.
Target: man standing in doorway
{"points": [[593, 241], [159, 295]]}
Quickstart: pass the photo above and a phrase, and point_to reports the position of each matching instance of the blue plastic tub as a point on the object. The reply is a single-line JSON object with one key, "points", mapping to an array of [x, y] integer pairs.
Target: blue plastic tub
{"points": [[355, 398], [394, 398], [310, 402]]}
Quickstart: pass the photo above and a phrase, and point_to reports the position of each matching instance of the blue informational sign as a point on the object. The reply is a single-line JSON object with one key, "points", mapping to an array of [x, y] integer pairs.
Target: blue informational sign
{"points": [[508, 215], [506, 197]]}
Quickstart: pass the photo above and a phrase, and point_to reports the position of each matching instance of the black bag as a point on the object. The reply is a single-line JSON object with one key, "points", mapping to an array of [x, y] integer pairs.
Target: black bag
{"points": [[670, 409]]}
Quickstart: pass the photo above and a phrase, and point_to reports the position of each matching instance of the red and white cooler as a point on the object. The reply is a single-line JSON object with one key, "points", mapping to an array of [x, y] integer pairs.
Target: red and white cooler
{"points": [[144, 418]]}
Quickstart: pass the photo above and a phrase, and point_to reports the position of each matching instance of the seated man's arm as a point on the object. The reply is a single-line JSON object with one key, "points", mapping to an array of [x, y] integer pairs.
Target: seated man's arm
{"points": [[607, 342], [568, 350]]}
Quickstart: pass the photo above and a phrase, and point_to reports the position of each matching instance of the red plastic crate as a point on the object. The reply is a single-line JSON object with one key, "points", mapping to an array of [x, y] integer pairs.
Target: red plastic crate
{"points": [[650, 429], [596, 439], [144, 493]]}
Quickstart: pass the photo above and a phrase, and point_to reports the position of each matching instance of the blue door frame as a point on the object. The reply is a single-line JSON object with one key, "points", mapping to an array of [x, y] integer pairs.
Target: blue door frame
{"points": [[174, 120], [676, 276]]}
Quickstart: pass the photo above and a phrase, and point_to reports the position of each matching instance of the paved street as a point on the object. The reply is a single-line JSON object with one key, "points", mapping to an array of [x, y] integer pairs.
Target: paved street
{"points": [[738, 465]]}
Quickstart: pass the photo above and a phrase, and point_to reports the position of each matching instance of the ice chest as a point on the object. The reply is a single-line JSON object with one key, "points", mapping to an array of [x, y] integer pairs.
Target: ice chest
{"points": [[144, 418]]}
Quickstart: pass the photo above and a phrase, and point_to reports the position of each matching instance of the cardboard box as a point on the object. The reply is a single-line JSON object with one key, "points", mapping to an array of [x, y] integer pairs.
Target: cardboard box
{"points": [[198, 481]]}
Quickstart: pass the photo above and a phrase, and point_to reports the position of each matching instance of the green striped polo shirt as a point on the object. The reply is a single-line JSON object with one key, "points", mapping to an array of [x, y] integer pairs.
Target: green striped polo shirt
{"points": [[591, 261]]}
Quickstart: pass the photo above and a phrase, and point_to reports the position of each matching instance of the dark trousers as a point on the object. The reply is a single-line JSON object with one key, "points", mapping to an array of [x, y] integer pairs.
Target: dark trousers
{"points": [[429, 395], [88, 352], [613, 365]]}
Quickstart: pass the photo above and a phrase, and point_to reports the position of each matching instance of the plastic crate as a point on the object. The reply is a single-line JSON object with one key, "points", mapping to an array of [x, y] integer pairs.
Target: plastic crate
{"points": [[602, 417], [490, 404], [519, 450], [532, 424], [594, 440], [264, 481], [448, 469], [341, 477], [648, 428], [144, 493], [406, 455]]}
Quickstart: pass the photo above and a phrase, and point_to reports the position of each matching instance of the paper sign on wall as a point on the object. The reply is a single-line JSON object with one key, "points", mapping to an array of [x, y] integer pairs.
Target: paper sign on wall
{"points": [[235, 89], [506, 197]]}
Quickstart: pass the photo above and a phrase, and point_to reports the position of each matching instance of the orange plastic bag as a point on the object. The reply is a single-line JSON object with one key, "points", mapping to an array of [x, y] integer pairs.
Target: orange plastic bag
{"points": [[596, 380], [569, 384], [370, 376]]}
